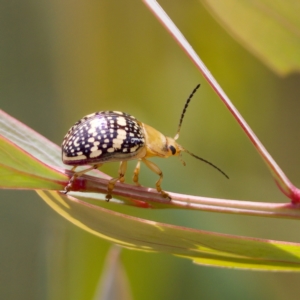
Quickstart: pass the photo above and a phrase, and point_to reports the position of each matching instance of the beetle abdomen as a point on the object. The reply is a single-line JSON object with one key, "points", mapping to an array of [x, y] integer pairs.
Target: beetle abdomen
{"points": [[103, 137]]}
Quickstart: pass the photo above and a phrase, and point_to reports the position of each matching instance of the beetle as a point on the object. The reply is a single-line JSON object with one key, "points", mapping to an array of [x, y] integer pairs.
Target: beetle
{"points": [[113, 136]]}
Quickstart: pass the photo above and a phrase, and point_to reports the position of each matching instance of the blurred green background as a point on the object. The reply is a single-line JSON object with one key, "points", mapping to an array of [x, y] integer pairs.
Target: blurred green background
{"points": [[61, 60]]}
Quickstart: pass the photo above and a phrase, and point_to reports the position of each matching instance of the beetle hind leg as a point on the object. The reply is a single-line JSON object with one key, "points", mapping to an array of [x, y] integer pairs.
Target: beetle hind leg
{"points": [[68, 187], [153, 167]]}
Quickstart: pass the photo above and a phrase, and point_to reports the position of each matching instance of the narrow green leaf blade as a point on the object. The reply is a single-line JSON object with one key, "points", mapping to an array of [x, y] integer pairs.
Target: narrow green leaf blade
{"points": [[29, 140], [19, 169], [205, 248]]}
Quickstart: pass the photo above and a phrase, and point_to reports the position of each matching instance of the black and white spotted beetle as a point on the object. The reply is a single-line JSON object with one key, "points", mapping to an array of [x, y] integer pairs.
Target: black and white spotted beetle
{"points": [[109, 136]]}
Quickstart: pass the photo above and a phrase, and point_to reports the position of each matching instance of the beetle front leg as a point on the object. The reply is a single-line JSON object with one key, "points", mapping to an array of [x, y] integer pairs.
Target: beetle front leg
{"points": [[121, 178], [153, 167]]}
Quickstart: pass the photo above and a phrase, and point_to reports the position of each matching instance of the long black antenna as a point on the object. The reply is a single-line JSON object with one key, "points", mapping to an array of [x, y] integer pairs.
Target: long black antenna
{"points": [[184, 110], [206, 161], [178, 131]]}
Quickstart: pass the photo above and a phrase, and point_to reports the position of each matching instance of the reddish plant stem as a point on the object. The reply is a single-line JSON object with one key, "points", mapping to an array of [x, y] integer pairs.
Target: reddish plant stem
{"points": [[137, 195]]}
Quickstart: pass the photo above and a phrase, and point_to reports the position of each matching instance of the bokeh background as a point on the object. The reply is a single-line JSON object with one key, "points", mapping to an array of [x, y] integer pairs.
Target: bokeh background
{"points": [[61, 60]]}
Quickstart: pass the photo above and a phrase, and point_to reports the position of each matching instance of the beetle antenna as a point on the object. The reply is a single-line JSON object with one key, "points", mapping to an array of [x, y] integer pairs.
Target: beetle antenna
{"points": [[206, 161], [184, 110]]}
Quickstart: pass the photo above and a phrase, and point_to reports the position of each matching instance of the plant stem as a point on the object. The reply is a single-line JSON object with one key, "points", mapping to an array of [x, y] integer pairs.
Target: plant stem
{"points": [[281, 179], [135, 194]]}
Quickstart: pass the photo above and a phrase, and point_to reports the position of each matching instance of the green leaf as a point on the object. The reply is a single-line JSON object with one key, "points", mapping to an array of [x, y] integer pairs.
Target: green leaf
{"points": [[18, 169], [26, 158], [202, 247], [268, 29], [29, 140]]}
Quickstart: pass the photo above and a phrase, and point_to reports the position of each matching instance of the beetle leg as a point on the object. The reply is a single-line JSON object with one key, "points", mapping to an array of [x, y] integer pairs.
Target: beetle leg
{"points": [[122, 170], [68, 187], [121, 178], [153, 167], [136, 173]]}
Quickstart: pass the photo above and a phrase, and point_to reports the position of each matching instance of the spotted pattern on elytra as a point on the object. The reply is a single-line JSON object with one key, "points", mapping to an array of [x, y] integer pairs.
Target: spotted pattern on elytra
{"points": [[99, 136]]}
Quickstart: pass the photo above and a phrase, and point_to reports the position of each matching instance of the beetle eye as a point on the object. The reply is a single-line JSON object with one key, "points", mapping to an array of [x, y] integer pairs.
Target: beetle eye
{"points": [[173, 150]]}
